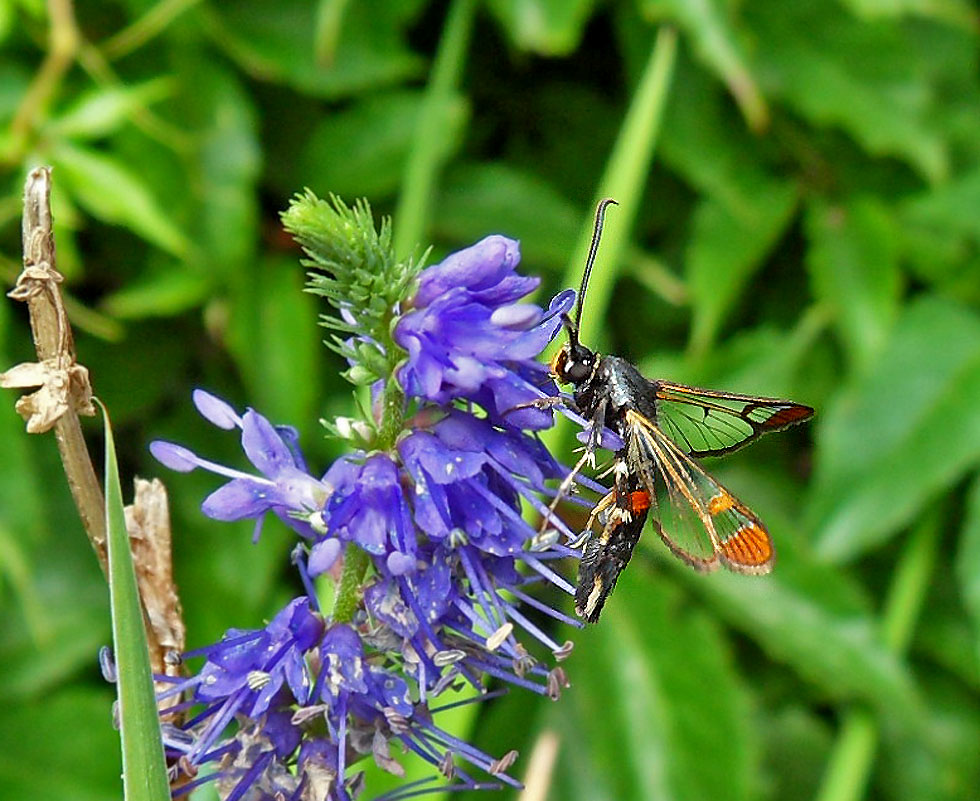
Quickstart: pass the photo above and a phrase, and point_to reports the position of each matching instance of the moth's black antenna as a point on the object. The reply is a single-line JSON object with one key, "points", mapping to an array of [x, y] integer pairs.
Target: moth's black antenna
{"points": [[600, 214]]}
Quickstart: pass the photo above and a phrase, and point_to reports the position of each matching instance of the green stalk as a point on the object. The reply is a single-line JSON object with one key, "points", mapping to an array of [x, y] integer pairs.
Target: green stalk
{"points": [[429, 144], [348, 597], [626, 175], [852, 757], [623, 179], [326, 37]]}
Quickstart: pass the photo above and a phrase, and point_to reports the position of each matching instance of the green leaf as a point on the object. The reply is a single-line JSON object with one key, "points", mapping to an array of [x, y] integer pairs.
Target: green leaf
{"points": [[14, 80], [899, 434], [942, 763], [655, 691], [276, 341], [788, 616], [853, 264], [727, 246], [224, 169], [162, 293], [951, 640], [806, 614], [954, 11], [69, 751], [478, 199], [838, 71], [797, 743], [100, 111], [21, 500], [968, 561], [60, 621], [623, 177], [766, 360], [430, 146], [110, 191], [361, 150], [946, 208], [548, 27], [144, 769], [717, 42], [703, 141], [746, 209], [273, 40], [940, 235]]}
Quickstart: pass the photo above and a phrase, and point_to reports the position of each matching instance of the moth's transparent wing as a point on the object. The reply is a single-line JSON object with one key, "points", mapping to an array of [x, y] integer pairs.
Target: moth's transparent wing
{"points": [[704, 422], [699, 520]]}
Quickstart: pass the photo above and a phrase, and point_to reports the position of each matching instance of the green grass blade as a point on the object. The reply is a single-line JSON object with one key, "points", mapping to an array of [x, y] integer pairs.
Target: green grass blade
{"points": [[623, 179], [144, 770], [625, 176], [440, 113]]}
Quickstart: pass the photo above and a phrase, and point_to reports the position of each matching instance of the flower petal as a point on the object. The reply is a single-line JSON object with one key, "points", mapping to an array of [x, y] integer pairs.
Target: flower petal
{"points": [[240, 498], [263, 445], [323, 555], [215, 410], [174, 456]]}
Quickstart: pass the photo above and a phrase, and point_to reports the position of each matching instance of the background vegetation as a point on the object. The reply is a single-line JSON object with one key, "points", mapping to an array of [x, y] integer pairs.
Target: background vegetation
{"points": [[809, 227]]}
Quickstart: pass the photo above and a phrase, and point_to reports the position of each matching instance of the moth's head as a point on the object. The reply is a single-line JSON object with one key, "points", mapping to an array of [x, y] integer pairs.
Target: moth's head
{"points": [[572, 364]]}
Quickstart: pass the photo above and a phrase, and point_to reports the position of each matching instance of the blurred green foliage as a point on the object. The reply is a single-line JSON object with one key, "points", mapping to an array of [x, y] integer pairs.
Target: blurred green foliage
{"points": [[809, 228]]}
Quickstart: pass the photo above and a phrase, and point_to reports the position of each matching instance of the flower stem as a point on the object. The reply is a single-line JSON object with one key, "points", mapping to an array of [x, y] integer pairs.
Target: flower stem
{"points": [[392, 413], [347, 598], [393, 398], [437, 116], [849, 766], [144, 29]]}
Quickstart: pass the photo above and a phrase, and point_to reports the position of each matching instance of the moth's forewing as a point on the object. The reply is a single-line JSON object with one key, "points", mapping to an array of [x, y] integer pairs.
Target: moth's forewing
{"points": [[705, 422]]}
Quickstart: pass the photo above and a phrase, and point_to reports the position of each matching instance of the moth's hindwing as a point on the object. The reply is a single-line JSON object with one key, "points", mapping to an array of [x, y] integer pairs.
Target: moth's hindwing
{"points": [[700, 521]]}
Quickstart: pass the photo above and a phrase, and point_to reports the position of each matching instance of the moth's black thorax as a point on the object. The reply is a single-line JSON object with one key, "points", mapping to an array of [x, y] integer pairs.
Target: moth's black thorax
{"points": [[623, 387]]}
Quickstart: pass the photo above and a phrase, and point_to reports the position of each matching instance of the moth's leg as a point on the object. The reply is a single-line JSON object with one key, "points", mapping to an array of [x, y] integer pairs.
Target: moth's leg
{"points": [[597, 423], [607, 500], [595, 437], [562, 492], [547, 402]]}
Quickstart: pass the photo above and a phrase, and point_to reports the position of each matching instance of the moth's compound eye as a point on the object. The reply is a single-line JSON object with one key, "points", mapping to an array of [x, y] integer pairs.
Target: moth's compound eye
{"points": [[558, 364]]}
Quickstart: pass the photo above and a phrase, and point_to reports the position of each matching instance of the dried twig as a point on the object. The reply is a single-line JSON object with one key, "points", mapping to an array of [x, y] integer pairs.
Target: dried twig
{"points": [[148, 524], [64, 392]]}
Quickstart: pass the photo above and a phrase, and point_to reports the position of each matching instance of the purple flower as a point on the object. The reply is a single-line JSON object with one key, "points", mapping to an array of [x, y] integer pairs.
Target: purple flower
{"points": [[285, 485], [367, 505], [246, 672], [440, 518], [468, 336]]}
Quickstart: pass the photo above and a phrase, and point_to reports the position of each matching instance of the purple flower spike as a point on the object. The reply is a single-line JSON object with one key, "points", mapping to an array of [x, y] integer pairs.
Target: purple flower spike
{"points": [[426, 540]]}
